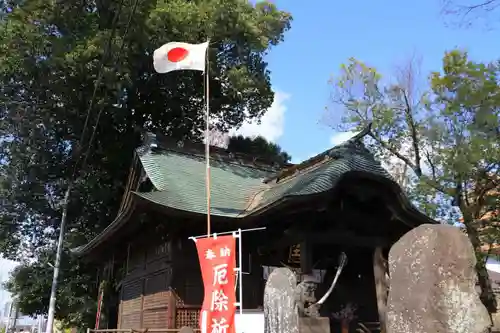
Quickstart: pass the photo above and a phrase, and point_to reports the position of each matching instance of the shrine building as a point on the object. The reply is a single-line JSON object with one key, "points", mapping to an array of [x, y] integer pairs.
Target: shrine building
{"points": [[341, 200]]}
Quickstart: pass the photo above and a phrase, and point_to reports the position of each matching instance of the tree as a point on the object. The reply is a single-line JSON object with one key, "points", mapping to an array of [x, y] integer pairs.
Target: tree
{"points": [[77, 300], [259, 147], [488, 225], [448, 135], [218, 139], [51, 56]]}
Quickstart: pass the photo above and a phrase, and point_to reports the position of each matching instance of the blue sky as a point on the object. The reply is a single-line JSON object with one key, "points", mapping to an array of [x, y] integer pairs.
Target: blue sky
{"points": [[325, 33], [5, 267]]}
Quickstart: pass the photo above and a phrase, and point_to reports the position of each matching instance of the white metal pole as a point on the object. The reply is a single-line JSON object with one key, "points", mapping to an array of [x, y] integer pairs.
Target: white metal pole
{"points": [[234, 232], [240, 275], [2, 304], [9, 316], [57, 264], [16, 314], [207, 138]]}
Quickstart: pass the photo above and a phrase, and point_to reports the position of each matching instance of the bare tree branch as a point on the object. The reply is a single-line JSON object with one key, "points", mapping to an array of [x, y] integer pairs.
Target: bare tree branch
{"points": [[414, 134], [393, 151], [431, 164], [470, 11], [408, 85]]}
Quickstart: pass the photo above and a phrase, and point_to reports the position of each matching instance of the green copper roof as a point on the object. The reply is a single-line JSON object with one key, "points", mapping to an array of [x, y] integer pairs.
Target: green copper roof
{"points": [[323, 175], [238, 189], [180, 182], [241, 187]]}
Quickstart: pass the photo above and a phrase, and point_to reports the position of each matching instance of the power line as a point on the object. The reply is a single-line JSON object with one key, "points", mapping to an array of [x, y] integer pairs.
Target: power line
{"points": [[57, 263], [87, 153], [98, 82]]}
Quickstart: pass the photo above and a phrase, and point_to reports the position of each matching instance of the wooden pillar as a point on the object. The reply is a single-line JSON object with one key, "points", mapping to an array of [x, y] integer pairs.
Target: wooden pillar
{"points": [[141, 320], [171, 311], [120, 309], [142, 313], [381, 286], [306, 257]]}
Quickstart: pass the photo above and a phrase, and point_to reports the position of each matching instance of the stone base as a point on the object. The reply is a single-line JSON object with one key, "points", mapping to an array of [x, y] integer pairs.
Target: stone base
{"points": [[314, 325]]}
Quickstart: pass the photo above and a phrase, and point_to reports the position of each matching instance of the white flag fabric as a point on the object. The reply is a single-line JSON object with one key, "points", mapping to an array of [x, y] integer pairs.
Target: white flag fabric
{"points": [[176, 56]]}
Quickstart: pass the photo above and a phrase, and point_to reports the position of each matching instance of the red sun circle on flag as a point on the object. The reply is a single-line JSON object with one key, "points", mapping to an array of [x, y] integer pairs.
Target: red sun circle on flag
{"points": [[177, 54]]}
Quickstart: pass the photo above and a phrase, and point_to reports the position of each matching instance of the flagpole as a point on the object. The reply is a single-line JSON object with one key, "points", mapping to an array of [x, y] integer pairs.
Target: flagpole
{"points": [[207, 140]]}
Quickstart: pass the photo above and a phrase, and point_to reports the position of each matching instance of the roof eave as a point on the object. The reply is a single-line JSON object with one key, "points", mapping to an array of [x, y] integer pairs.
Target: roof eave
{"points": [[108, 232]]}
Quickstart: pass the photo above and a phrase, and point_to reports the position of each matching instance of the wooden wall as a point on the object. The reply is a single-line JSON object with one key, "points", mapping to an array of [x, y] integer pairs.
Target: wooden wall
{"points": [[145, 296], [163, 287], [148, 311]]}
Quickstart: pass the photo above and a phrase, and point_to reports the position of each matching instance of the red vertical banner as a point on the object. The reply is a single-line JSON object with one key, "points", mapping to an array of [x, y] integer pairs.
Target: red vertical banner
{"points": [[218, 262]]}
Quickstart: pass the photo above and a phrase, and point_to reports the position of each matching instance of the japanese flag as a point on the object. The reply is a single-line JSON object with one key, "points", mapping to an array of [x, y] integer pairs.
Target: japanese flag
{"points": [[176, 56]]}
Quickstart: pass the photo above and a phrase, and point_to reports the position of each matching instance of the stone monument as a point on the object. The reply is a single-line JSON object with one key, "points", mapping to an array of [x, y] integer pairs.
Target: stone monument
{"points": [[432, 283], [280, 306]]}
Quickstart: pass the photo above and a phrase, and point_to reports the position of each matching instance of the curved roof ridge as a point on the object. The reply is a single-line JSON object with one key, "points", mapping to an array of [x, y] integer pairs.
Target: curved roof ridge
{"points": [[157, 142], [354, 145]]}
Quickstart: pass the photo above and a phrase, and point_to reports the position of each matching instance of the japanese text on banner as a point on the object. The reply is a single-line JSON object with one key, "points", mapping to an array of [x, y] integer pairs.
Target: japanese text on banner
{"points": [[217, 258]]}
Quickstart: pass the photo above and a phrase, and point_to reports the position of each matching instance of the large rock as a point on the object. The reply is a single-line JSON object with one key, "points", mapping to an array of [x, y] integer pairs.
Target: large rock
{"points": [[280, 306], [432, 283], [314, 325]]}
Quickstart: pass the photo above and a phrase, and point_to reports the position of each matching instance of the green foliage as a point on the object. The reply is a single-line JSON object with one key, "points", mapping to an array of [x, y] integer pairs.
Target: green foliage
{"points": [[50, 57], [446, 132], [76, 296], [259, 147]]}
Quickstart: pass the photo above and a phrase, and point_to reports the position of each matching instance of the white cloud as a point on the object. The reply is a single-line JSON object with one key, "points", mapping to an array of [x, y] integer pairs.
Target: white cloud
{"points": [[341, 137], [272, 123], [336, 139], [297, 160]]}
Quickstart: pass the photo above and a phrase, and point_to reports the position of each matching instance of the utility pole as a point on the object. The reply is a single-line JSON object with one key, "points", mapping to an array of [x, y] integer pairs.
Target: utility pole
{"points": [[9, 316], [13, 311], [57, 263], [16, 314], [2, 310], [60, 243]]}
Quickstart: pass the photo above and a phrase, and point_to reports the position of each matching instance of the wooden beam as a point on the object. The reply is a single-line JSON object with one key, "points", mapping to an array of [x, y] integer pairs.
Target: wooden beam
{"points": [[336, 237], [344, 238], [381, 286]]}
